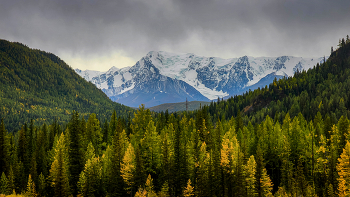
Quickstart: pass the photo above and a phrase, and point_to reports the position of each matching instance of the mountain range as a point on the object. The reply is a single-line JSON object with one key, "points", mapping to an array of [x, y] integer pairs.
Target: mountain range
{"points": [[163, 77]]}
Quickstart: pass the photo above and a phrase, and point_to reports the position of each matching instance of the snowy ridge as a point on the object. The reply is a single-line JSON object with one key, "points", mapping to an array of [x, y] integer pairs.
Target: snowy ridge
{"points": [[88, 74], [173, 76], [187, 67]]}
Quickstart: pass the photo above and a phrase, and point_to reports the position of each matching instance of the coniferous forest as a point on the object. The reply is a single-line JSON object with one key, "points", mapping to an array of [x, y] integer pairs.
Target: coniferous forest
{"points": [[291, 138]]}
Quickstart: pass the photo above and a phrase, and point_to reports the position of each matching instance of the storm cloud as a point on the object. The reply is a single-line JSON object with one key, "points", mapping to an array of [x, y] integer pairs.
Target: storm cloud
{"points": [[96, 35]]}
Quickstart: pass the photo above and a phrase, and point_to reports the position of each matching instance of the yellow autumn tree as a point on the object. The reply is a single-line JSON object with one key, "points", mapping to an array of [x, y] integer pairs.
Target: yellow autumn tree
{"points": [[266, 183], [141, 193], [343, 168], [229, 152], [128, 167], [189, 189], [149, 187]]}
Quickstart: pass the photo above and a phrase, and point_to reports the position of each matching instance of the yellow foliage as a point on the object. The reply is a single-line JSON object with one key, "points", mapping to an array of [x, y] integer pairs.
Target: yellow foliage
{"points": [[343, 169], [189, 189], [141, 193], [127, 166], [266, 184]]}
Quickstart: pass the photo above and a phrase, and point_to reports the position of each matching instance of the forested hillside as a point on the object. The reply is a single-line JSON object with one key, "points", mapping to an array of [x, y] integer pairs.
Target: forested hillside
{"points": [[38, 85], [238, 147]]}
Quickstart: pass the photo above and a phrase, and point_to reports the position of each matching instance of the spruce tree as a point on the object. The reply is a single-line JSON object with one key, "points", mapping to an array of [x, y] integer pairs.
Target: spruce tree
{"points": [[75, 155], [4, 185], [90, 179], [59, 172], [93, 133], [41, 185], [3, 148]]}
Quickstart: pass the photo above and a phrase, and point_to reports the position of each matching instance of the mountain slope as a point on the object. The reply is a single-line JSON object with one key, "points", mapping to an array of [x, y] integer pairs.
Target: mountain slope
{"points": [[211, 77], [40, 86]]}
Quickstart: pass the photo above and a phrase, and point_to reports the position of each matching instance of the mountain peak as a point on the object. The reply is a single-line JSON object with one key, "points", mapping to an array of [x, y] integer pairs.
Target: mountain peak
{"points": [[211, 77]]}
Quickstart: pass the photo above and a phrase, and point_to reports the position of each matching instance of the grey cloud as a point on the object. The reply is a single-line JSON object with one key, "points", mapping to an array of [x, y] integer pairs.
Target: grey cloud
{"points": [[222, 27]]}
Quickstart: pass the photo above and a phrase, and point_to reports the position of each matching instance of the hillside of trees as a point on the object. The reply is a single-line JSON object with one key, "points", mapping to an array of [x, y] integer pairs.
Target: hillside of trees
{"points": [[288, 139], [40, 86]]}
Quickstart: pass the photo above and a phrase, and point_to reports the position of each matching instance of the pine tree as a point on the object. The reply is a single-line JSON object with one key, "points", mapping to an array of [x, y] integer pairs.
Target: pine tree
{"points": [[59, 174], [4, 185], [151, 149], [249, 172], [140, 122], [93, 133], [11, 180], [75, 155], [3, 148], [41, 185], [90, 179], [116, 187], [22, 148], [33, 168], [41, 151], [263, 181], [106, 169], [112, 127], [90, 153]]}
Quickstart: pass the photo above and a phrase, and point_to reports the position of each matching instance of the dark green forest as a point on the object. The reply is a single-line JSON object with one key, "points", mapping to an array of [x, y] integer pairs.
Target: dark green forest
{"points": [[40, 86], [290, 138]]}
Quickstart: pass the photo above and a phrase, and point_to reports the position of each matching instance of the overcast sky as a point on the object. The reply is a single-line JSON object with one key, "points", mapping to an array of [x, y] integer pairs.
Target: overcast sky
{"points": [[96, 35]]}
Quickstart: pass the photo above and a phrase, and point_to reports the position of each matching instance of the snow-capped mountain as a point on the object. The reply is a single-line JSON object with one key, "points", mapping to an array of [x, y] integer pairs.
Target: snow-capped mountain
{"points": [[88, 74], [162, 77]]}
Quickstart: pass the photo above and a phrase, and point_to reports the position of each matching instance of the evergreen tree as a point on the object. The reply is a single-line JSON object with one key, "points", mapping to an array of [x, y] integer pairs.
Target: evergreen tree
{"points": [[249, 172], [116, 187], [4, 185], [75, 155], [93, 133], [3, 148], [11, 180], [90, 179], [59, 172], [41, 151], [41, 185]]}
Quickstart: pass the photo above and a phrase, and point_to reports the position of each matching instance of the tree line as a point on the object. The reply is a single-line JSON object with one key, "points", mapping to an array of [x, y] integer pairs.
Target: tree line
{"points": [[158, 155]]}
